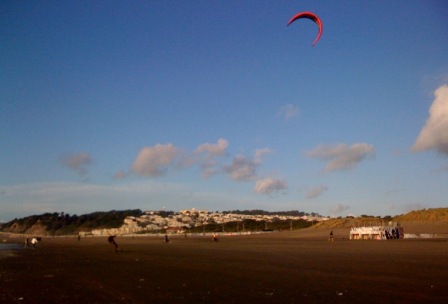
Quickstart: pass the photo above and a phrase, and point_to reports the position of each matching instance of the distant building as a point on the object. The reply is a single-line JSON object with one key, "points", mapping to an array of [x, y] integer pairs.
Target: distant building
{"points": [[386, 232]]}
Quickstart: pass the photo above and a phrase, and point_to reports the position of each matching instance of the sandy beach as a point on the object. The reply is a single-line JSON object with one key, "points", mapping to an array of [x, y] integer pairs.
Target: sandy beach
{"points": [[280, 267]]}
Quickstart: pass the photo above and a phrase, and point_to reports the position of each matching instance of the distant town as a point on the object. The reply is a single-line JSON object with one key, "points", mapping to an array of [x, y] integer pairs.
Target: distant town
{"points": [[188, 220]]}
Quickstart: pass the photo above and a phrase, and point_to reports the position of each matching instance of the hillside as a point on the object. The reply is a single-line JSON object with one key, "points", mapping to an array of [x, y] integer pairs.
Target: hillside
{"points": [[350, 222], [64, 224], [435, 215], [425, 221], [194, 221], [424, 215]]}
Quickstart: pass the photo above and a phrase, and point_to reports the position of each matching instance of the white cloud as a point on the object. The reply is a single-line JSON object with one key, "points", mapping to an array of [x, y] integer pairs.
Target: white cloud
{"points": [[77, 162], [242, 168], [218, 149], [259, 153], [154, 161], [209, 168], [209, 165], [316, 191], [289, 111], [270, 185], [342, 156], [434, 135]]}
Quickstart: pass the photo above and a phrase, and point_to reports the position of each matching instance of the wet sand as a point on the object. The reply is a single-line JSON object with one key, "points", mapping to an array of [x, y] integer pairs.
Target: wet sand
{"points": [[282, 267]]}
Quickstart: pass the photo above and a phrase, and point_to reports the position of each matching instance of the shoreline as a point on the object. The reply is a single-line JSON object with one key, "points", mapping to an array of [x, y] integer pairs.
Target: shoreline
{"points": [[9, 250]]}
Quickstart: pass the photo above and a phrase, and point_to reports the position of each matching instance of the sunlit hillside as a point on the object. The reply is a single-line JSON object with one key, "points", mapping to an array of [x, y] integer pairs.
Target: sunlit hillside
{"points": [[424, 215], [349, 222]]}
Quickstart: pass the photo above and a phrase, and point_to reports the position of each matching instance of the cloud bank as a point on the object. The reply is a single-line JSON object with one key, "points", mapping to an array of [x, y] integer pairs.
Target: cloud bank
{"points": [[342, 156], [157, 160], [434, 135]]}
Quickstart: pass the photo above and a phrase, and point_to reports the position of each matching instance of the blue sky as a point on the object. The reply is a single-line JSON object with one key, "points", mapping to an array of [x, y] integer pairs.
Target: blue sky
{"points": [[219, 105]]}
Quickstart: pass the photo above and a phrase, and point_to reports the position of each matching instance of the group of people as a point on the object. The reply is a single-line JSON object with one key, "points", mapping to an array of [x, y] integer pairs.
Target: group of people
{"points": [[394, 233], [166, 239], [33, 242], [111, 239]]}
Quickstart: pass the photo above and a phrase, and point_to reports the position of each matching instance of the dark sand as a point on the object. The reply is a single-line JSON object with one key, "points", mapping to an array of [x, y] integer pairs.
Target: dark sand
{"points": [[281, 267]]}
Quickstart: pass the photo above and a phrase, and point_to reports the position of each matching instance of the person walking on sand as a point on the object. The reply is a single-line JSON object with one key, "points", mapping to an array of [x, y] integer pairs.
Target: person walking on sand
{"points": [[27, 242], [167, 239], [111, 240], [215, 238], [331, 236]]}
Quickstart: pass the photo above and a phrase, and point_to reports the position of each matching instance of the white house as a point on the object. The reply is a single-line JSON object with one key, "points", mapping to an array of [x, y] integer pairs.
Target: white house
{"points": [[391, 231]]}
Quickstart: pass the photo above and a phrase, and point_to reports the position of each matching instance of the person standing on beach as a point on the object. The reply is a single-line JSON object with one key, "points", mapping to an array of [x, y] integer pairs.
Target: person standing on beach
{"points": [[27, 243], [34, 241], [331, 236], [111, 240]]}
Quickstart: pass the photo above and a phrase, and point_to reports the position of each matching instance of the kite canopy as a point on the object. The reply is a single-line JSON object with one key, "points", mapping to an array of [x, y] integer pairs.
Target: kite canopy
{"points": [[311, 16]]}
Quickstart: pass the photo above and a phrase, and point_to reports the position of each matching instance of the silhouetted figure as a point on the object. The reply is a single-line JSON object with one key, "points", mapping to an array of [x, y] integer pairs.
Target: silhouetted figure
{"points": [[27, 243], [167, 239], [331, 236], [111, 241], [396, 234], [215, 238]]}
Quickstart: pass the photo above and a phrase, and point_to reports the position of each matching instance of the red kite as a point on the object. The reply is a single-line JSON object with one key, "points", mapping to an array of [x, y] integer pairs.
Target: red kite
{"points": [[312, 17]]}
